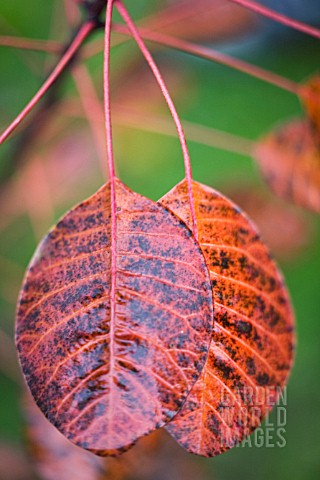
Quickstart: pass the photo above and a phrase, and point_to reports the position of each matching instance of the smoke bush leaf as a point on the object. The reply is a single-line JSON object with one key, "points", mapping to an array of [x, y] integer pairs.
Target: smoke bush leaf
{"points": [[105, 379], [251, 351]]}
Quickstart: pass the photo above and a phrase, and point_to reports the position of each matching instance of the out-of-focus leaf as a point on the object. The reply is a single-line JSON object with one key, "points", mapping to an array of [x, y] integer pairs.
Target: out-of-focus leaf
{"points": [[131, 94], [111, 354], [65, 163], [252, 343], [271, 215], [289, 159], [198, 20], [53, 456], [155, 457], [310, 96], [13, 464]]}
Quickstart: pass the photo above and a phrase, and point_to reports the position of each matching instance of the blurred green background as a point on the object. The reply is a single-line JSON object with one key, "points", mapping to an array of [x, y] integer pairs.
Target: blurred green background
{"points": [[205, 93]]}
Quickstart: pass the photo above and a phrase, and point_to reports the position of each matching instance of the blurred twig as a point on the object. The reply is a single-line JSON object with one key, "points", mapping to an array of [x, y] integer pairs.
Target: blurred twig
{"points": [[213, 55], [82, 33], [93, 111], [194, 132], [160, 124], [45, 110], [49, 46]]}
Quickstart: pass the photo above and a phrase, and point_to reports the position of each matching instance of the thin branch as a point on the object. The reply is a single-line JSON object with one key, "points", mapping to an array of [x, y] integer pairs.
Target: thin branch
{"points": [[213, 55], [176, 43], [80, 37], [97, 45], [159, 124], [26, 57], [194, 132], [278, 17], [48, 46], [158, 77], [177, 13], [184, 18]]}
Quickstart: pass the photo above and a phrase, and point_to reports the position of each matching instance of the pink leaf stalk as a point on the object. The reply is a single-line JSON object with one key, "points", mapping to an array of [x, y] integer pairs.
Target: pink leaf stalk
{"points": [[113, 203], [145, 52]]}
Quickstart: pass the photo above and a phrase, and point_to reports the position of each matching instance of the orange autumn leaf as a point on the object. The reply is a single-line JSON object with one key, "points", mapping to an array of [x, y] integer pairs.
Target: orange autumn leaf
{"points": [[105, 365], [251, 351], [289, 159]]}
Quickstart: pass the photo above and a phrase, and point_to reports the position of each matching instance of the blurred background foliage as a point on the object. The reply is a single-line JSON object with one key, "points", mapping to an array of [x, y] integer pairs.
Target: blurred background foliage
{"points": [[59, 162]]}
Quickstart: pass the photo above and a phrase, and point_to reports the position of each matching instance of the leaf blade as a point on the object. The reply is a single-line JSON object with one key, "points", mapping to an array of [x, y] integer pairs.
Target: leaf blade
{"points": [[252, 338], [163, 321]]}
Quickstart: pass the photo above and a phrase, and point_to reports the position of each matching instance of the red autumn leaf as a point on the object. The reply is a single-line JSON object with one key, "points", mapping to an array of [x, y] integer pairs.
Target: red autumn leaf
{"points": [[105, 379], [252, 342], [310, 96], [289, 159], [155, 456]]}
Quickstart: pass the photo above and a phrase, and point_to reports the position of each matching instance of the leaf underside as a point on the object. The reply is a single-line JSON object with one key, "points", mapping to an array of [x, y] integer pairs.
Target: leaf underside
{"points": [[289, 159], [252, 342], [106, 382]]}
